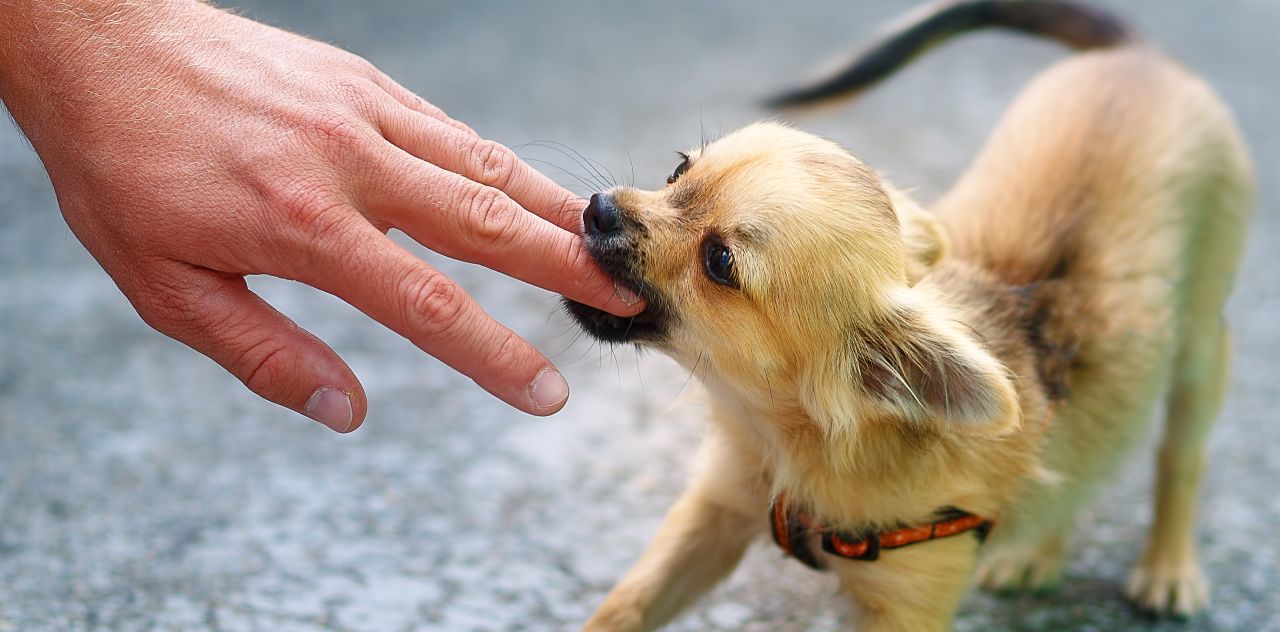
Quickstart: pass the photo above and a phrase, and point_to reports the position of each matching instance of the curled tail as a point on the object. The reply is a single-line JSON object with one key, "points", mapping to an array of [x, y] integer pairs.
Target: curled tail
{"points": [[1075, 24]]}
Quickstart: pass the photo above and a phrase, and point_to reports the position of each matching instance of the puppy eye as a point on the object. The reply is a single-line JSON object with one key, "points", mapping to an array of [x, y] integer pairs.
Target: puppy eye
{"points": [[718, 261], [680, 169]]}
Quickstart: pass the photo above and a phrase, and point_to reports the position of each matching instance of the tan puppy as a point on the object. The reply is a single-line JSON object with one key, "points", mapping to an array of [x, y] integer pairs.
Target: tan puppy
{"points": [[882, 375]]}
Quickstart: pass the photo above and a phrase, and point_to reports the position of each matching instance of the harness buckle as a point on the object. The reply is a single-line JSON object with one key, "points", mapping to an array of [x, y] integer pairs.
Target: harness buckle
{"points": [[866, 549]]}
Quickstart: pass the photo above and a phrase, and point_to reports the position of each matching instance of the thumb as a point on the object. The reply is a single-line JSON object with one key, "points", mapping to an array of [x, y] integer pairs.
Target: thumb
{"points": [[218, 316]]}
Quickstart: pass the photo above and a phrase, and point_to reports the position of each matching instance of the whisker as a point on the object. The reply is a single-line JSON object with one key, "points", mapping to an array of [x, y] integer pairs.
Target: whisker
{"points": [[639, 374], [574, 363], [617, 366], [632, 181], [688, 379], [594, 166], [593, 179], [574, 337], [702, 126], [589, 186], [590, 174]]}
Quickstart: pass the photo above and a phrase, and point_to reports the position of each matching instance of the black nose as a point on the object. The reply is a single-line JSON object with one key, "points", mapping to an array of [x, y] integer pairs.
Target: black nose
{"points": [[601, 217]]}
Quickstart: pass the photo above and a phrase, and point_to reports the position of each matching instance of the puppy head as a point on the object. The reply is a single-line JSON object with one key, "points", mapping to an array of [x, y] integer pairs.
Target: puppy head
{"points": [[774, 261]]}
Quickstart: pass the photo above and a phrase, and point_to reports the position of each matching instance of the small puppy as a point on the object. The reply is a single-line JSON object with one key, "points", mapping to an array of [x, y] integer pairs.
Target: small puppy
{"points": [[910, 398]]}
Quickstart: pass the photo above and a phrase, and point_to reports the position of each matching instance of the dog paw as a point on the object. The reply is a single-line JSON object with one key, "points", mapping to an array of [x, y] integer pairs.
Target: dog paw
{"points": [[1021, 571], [1178, 590]]}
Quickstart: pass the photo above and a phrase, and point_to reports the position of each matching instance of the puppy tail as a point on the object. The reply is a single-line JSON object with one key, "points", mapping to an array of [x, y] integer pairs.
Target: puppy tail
{"points": [[1078, 25]]}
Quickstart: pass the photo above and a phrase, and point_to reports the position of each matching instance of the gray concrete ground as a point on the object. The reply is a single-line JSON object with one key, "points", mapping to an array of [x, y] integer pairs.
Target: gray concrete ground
{"points": [[143, 489]]}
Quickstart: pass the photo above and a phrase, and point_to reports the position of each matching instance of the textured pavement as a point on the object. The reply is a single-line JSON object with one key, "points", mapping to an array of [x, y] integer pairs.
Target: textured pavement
{"points": [[141, 488]]}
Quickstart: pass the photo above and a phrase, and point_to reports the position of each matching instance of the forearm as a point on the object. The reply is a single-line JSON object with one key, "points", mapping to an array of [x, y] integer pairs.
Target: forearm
{"points": [[57, 53]]}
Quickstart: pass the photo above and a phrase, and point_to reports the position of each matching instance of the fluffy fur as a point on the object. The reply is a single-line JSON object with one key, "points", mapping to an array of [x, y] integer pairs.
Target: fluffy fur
{"points": [[999, 353]]}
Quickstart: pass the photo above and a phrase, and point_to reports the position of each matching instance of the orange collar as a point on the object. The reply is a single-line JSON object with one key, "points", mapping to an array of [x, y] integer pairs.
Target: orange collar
{"points": [[791, 531]]}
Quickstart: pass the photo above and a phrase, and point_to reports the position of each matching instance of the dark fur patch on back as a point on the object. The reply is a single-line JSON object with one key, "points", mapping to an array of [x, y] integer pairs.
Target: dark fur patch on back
{"points": [[1054, 352], [1027, 327]]}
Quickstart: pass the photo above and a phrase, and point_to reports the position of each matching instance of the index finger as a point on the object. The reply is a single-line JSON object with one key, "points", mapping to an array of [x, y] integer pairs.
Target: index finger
{"points": [[459, 218], [484, 161]]}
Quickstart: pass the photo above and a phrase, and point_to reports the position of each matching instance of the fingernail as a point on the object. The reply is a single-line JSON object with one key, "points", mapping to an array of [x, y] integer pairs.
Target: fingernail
{"points": [[625, 294], [548, 389], [331, 407]]}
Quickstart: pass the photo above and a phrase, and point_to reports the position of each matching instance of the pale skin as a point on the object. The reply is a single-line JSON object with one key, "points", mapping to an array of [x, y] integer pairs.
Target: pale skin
{"points": [[189, 148]]}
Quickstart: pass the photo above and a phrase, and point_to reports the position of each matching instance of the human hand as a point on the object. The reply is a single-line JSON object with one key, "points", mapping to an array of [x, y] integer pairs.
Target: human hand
{"points": [[189, 147]]}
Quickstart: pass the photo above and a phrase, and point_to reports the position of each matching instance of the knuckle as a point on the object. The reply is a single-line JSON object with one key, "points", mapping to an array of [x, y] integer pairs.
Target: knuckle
{"points": [[311, 209], [358, 94], [178, 308], [359, 64], [433, 302], [571, 209], [495, 165], [428, 108], [335, 134], [164, 305], [458, 125], [265, 365], [508, 353], [490, 218]]}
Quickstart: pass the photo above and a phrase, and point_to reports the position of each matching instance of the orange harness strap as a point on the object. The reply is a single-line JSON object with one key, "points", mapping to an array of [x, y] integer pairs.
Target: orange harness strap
{"points": [[791, 532]]}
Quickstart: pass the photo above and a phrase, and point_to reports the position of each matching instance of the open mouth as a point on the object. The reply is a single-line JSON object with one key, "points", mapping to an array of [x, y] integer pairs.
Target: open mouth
{"points": [[610, 238], [617, 259], [647, 325]]}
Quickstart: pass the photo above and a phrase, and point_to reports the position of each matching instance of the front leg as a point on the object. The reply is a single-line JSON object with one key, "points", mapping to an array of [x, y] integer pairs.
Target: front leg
{"points": [[701, 540]]}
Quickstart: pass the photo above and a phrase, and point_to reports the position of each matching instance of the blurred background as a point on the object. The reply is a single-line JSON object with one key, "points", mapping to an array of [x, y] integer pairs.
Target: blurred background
{"points": [[142, 488]]}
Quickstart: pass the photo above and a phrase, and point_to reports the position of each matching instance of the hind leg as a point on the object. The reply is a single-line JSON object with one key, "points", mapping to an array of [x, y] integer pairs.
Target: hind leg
{"points": [[1167, 579]]}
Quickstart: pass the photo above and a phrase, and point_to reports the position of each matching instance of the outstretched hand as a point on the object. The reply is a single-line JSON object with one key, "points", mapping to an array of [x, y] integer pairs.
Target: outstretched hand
{"points": [[189, 147]]}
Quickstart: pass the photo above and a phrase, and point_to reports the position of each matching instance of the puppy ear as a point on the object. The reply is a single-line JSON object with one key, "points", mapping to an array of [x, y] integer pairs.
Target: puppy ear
{"points": [[915, 368], [927, 369], [924, 240]]}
